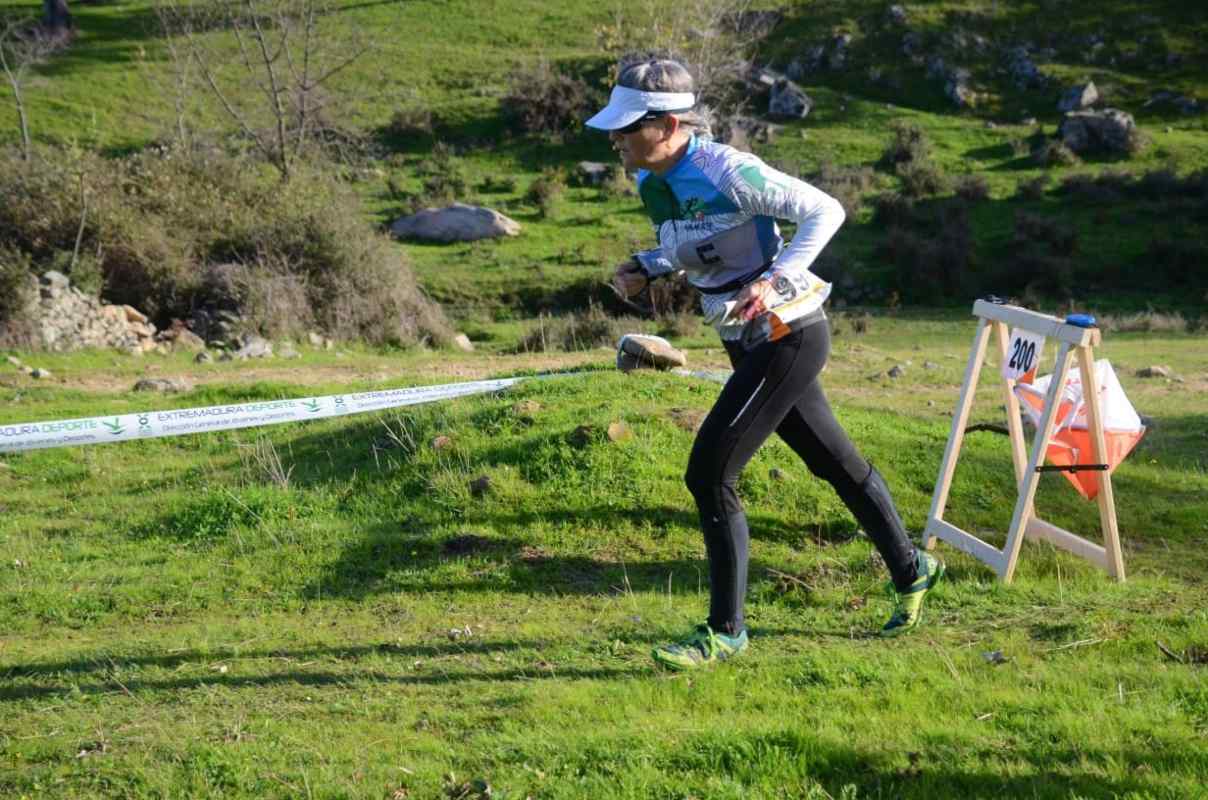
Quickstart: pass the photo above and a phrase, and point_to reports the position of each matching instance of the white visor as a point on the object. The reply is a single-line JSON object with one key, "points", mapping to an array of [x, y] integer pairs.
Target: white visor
{"points": [[626, 106]]}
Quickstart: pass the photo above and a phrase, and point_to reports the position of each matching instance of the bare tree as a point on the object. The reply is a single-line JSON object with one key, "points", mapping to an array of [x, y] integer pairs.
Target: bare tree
{"points": [[707, 35], [280, 50], [22, 45]]}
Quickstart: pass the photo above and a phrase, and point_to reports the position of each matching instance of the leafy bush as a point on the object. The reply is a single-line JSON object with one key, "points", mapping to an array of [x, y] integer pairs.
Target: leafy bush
{"points": [[922, 178], [581, 330], [909, 143], [1053, 153], [973, 188], [158, 222], [894, 210], [1040, 260], [1032, 188], [18, 290], [933, 263], [544, 101], [1108, 187], [410, 123], [848, 185], [546, 191]]}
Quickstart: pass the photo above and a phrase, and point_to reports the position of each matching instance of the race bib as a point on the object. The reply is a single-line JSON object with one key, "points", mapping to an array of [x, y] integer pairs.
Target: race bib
{"points": [[1023, 356]]}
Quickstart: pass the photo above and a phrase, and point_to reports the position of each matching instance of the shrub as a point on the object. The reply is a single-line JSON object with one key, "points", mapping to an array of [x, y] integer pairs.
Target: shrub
{"points": [[908, 143], [546, 191], [157, 223], [972, 188], [848, 185], [497, 185], [1177, 262], [1109, 186], [444, 179], [544, 101], [410, 123], [582, 330], [1039, 259], [922, 178], [894, 210], [1032, 188], [933, 264], [1053, 153], [18, 291], [617, 183]]}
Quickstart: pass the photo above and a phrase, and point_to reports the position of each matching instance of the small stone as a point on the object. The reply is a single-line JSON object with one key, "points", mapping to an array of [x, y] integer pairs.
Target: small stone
{"points": [[316, 340], [619, 432], [995, 657], [165, 385], [526, 408], [14, 361], [776, 474], [203, 358], [1155, 371], [442, 443], [480, 485], [930, 404], [896, 371], [39, 373], [930, 365], [463, 343]]}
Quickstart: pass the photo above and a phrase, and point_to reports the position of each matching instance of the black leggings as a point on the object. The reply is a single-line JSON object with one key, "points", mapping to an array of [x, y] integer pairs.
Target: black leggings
{"points": [[775, 387]]}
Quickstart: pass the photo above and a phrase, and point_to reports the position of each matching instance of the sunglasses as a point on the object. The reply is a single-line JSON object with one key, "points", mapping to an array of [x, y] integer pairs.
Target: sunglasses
{"points": [[634, 127]]}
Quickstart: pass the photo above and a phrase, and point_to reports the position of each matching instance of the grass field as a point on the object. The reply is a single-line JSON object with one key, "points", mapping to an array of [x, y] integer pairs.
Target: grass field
{"points": [[182, 620], [329, 610]]}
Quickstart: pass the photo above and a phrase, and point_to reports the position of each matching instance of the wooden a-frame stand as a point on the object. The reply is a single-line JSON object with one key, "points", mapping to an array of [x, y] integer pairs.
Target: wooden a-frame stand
{"points": [[1024, 521]]}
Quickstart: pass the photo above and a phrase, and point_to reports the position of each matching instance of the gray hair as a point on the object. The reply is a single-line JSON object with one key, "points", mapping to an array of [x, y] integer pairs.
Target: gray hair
{"points": [[666, 75]]}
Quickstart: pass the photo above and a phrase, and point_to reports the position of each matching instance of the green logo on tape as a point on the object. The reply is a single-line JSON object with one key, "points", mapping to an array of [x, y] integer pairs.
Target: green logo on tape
{"points": [[115, 427], [311, 405]]}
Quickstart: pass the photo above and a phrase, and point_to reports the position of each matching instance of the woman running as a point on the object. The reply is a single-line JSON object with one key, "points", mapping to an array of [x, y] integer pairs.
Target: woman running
{"points": [[714, 211]]}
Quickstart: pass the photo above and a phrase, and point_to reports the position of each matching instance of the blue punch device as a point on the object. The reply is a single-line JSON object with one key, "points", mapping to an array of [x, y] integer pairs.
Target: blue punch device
{"points": [[1080, 320]]}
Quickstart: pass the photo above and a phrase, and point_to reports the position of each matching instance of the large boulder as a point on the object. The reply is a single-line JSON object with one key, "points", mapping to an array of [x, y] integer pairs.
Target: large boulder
{"points": [[1109, 130], [456, 223], [1078, 98], [789, 101]]}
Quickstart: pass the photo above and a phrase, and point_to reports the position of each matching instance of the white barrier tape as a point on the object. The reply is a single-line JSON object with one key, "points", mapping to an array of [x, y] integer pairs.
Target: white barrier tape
{"points": [[179, 422]]}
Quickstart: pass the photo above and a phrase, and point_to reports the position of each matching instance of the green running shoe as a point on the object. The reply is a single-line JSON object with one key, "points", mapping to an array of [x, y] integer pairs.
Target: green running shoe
{"points": [[701, 649], [908, 612]]}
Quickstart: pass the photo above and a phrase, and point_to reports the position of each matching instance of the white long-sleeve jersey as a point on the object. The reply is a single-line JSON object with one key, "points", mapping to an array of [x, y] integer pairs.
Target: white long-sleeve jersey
{"points": [[715, 216]]}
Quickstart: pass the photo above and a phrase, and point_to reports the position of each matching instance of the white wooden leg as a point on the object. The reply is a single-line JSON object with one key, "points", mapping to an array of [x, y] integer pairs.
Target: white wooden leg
{"points": [[957, 434], [1027, 488], [1106, 500]]}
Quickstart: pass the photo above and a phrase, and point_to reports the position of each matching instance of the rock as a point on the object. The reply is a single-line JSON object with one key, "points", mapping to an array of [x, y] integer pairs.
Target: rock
{"points": [[776, 474], [958, 91], [203, 358], [1078, 98], [896, 371], [1109, 130], [526, 408], [287, 350], [896, 15], [930, 365], [134, 315], [254, 347], [1155, 371], [1023, 72], [836, 57], [638, 351], [619, 432], [39, 373], [480, 485], [789, 101], [456, 223], [163, 385], [442, 443], [462, 342], [592, 173], [14, 361], [316, 340], [54, 283]]}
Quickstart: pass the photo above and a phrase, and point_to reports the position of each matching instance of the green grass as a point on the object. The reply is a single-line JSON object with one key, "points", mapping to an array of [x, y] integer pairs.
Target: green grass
{"points": [[177, 623]]}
